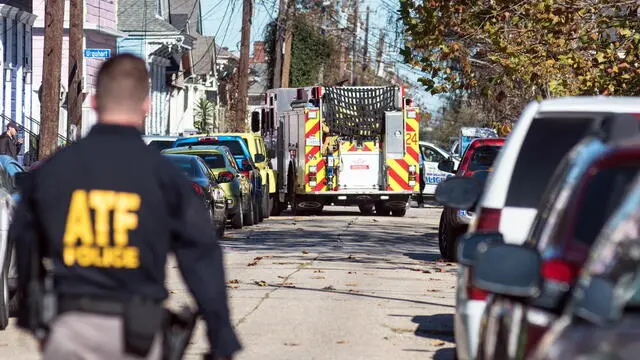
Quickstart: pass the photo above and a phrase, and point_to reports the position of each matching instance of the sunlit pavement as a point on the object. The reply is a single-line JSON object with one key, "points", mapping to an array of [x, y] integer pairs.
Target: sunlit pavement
{"points": [[335, 286]]}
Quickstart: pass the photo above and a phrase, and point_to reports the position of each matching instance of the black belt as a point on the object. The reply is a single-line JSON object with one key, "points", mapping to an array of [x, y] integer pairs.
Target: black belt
{"points": [[91, 305]]}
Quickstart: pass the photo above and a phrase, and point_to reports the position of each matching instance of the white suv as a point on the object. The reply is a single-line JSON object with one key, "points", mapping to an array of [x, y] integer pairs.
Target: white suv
{"points": [[542, 136]]}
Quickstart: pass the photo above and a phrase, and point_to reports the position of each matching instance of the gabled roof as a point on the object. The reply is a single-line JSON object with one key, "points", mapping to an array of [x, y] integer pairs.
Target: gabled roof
{"points": [[131, 17]]}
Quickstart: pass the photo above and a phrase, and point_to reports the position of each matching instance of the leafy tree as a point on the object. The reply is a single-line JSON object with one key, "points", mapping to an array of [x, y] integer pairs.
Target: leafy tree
{"points": [[204, 116], [506, 48]]}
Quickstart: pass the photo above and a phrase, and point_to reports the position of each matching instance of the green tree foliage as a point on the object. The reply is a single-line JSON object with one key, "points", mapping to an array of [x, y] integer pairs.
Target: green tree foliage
{"points": [[312, 52], [203, 116], [506, 48]]}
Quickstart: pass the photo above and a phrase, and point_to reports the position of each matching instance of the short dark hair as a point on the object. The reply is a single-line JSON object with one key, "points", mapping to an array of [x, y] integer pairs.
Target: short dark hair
{"points": [[122, 82]]}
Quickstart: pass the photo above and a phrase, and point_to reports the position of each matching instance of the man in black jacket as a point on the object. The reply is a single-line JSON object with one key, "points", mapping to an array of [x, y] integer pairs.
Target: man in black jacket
{"points": [[107, 210], [9, 142]]}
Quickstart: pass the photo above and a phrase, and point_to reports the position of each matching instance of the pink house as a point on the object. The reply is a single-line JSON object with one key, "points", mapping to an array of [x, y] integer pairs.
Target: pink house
{"points": [[100, 32]]}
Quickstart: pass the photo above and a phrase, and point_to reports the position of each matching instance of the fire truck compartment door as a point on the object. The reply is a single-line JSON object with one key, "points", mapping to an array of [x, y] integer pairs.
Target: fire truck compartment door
{"points": [[394, 129], [359, 170]]}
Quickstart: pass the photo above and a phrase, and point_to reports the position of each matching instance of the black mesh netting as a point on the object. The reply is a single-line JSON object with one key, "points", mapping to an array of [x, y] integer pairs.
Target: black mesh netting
{"points": [[357, 111]]}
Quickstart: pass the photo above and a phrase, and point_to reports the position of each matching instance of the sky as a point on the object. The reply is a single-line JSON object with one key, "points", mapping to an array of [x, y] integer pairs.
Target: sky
{"points": [[223, 19]]}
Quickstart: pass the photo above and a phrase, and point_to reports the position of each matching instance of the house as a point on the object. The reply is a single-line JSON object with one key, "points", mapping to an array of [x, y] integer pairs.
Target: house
{"points": [[259, 75], [100, 32], [16, 77], [151, 36], [199, 77]]}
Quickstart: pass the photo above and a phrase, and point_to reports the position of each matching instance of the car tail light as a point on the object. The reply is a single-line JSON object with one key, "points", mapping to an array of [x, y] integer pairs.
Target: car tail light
{"points": [[412, 175], [488, 219], [313, 179], [225, 176], [473, 293], [207, 139], [558, 270], [197, 188]]}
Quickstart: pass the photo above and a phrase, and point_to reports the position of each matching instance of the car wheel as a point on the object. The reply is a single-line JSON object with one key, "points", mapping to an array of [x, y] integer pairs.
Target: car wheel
{"points": [[257, 212], [366, 209], [248, 216], [274, 204], [382, 210], [266, 202], [399, 212], [237, 221], [446, 239], [4, 301]]}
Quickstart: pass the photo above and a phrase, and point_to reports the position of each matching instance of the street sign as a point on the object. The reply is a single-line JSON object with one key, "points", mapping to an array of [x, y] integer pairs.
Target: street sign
{"points": [[97, 53]]}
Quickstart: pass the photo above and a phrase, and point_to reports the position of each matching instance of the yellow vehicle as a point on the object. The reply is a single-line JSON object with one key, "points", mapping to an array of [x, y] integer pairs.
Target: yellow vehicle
{"points": [[258, 151]]}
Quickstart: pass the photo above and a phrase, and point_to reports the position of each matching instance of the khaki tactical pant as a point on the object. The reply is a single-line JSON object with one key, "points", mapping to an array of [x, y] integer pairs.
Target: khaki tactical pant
{"points": [[85, 336]]}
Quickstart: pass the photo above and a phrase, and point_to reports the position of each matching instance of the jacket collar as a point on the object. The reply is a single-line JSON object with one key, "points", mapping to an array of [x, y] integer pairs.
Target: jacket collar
{"points": [[108, 129]]}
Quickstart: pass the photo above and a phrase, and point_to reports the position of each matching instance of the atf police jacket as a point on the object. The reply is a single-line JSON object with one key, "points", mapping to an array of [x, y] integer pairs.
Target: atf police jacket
{"points": [[108, 210]]}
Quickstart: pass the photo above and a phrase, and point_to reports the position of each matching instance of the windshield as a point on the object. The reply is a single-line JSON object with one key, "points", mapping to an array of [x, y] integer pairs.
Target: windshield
{"points": [[161, 144], [234, 146], [186, 165], [539, 156], [213, 161], [483, 157], [560, 188]]}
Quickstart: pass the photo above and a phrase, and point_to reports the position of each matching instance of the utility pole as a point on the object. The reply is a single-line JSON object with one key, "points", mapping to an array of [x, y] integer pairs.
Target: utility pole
{"points": [[354, 53], [75, 97], [379, 67], [277, 70], [365, 54], [288, 38], [343, 50], [51, 67], [243, 67]]}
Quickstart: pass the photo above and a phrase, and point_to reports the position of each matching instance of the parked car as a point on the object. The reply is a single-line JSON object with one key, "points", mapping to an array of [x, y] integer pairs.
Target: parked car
{"points": [[244, 160], [237, 190], [255, 144], [432, 154], [8, 275], [206, 185], [479, 157], [563, 234], [542, 136], [159, 142], [601, 320]]}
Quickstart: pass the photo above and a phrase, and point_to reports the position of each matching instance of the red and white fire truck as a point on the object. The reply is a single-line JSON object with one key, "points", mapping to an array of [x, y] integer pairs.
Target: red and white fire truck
{"points": [[342, 146]]}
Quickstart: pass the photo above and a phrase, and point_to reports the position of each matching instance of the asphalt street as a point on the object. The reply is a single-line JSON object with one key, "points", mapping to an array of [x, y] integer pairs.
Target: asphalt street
{"points": [[334, 286]]}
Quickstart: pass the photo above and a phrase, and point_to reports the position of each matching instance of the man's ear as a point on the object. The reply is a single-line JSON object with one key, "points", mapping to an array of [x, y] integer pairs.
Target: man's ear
{"points": [[94, 102], [146, 105]]}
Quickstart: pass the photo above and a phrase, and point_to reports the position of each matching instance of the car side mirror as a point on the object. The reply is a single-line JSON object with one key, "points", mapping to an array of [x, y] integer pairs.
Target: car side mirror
{"points": [[595, 301], [459, 192], [508, 269], [259, 158], [469, 244], [447, 165]]}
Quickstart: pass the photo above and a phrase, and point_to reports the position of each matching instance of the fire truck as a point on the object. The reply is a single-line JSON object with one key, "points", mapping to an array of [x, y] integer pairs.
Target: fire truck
{"points": [[350, 146]]}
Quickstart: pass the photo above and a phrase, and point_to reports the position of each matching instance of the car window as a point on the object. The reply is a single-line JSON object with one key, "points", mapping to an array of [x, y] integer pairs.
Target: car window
{"points": [[431, 155], [234, 146], [590, 209], [203, 169], [546, 143], [483, 157], [214, 161], [186, 165], [160, 144]]}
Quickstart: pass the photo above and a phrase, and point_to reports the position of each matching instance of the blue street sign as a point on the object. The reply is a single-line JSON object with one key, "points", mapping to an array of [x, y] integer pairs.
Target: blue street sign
{"points": [[97, 53]]}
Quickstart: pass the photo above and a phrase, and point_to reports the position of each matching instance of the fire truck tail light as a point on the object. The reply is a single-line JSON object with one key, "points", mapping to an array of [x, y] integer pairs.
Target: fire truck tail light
{"points": [[313, 180], [412, 175]]}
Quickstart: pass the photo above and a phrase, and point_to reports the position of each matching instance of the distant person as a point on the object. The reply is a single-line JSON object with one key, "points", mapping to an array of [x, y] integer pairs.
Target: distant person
{"points": [[9, 142]]}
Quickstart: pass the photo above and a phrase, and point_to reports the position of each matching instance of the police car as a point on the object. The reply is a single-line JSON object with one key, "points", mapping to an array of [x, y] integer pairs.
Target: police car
{"points": [[431, 155]]}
